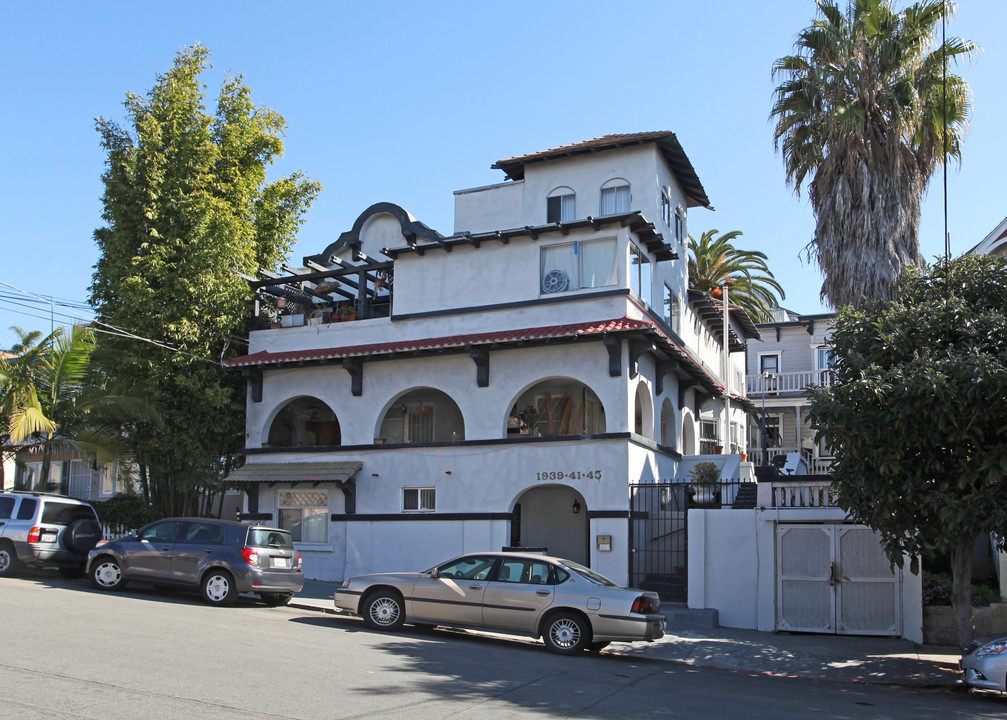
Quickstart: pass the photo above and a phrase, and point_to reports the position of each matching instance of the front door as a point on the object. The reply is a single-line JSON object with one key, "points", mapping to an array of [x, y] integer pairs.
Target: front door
{"points": [[836, 579], [455, 595], [149, 556]]}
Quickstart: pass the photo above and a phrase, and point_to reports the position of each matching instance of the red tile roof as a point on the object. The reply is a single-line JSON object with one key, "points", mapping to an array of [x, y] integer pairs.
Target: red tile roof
{"points": [[265, 357]]}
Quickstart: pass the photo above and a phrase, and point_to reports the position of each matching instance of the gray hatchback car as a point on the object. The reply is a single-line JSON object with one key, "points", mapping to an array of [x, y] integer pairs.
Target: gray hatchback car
{"points": [[221, 558]]}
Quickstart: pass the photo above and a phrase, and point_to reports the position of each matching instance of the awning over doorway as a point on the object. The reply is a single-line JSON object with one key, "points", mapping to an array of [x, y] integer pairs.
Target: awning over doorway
{"points": [[295, 472]]}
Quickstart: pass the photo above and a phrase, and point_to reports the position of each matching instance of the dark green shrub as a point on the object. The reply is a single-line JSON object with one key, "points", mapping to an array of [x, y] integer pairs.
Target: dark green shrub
{"points": [[123, 513]]}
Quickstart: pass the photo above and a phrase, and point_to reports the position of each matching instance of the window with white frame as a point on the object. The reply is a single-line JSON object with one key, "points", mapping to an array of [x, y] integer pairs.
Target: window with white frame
{"points": [[825, 361], [672, 310], [640, 273], [305, 513], [419, 499], [110, 480], [615, 197], [709, 435], [80, 479], [561, 205], [680, 225], [737, 442], [667, 209], [769, 369], [578, 265]]}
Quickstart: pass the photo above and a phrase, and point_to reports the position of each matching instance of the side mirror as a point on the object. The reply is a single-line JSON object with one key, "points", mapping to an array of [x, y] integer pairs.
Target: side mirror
{"points": [[433, 573]]}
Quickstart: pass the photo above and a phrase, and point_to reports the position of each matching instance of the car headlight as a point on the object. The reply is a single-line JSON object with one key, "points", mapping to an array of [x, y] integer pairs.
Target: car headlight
{"points": [[994, 648]]}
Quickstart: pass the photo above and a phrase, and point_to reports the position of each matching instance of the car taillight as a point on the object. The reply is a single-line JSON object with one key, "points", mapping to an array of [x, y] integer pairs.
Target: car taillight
{"points": [[34, 534], [251, 556], [644, 605], [298, 561]]}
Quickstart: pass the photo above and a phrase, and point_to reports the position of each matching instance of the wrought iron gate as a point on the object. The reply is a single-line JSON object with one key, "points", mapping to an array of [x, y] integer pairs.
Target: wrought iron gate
{"points": [[658, 557]]}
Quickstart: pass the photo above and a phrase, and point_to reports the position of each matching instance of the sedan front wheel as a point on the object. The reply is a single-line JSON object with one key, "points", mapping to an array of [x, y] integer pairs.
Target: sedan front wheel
{"points": [[383, 610]]}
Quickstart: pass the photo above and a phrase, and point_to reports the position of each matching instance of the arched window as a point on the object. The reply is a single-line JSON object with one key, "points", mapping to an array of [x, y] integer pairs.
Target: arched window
{"points": [[643, 413], [423, 415], [561, 205], [556, 407], [615, 197], [304, 422]]}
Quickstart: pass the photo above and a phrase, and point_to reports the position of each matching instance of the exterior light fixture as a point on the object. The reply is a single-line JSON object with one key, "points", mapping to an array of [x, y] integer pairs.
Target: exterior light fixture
{"points": [[576, 507]]}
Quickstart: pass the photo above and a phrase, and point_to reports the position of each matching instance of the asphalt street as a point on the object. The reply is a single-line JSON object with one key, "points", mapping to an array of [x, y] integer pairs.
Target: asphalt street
{"points": [[72, 652]]}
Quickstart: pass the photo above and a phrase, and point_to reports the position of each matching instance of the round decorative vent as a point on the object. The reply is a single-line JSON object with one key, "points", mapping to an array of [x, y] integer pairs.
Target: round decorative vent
{"points": [[555, 281]]}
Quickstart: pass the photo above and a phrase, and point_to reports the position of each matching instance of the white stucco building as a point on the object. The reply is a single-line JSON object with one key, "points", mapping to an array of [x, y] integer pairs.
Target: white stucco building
{"points": [[502, 385]]}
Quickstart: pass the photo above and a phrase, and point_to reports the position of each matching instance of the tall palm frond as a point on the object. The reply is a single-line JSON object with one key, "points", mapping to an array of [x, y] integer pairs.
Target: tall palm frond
{"points": [[714, 261], [860, 109]]}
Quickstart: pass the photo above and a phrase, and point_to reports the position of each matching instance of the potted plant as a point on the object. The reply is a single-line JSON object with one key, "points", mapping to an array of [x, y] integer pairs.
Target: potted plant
{"points": [[347, 312], [704, 482]]}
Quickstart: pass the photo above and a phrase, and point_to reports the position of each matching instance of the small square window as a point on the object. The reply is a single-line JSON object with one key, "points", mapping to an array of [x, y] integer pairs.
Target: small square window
{"points": [[419, 499]]}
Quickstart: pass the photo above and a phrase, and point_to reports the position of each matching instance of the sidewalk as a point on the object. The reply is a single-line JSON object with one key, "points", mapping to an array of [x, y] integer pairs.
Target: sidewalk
{"points": [[886, 661]]}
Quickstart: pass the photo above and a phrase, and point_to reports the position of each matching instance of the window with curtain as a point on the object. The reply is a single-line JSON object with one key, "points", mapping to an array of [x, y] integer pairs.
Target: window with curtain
{"points": [[419, 499], [561, 207], [578, 265], [305, 513], [615, 200]]}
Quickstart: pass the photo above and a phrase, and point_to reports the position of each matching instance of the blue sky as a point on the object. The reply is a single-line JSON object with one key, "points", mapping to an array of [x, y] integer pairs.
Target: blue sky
{"points": [[406, 102]]}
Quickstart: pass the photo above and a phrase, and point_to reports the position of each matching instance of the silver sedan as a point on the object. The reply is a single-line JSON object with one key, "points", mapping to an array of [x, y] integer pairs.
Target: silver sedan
{"points": [[571, 607]]}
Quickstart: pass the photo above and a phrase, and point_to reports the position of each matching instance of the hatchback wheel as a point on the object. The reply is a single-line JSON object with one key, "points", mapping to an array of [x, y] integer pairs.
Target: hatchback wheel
{"points": [[566, 633], [383, 610], [9, 564], [106, 574], [218, 588]]}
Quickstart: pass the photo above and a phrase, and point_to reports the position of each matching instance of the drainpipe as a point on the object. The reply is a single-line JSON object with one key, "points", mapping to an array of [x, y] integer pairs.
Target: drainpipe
{"points": [[727, 371]]}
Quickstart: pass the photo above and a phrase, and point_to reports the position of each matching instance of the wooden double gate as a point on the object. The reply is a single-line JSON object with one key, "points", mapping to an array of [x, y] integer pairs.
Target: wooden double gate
{"points": [[835, 579], [659, 551]]}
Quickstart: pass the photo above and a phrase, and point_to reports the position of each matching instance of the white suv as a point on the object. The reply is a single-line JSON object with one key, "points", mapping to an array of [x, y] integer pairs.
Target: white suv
{"points": [[46, 530]]}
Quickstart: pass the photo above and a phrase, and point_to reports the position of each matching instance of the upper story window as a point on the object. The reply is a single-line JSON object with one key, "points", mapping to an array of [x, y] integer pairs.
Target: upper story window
{"points": [[680, 225], [615, 197], [667, 209], [578, 265], [672, 310], [825, 362], [561, 205], [640, 269]]}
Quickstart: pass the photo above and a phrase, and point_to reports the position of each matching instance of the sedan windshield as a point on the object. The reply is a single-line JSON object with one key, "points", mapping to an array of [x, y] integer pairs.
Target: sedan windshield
{"points": [[588, 573]]}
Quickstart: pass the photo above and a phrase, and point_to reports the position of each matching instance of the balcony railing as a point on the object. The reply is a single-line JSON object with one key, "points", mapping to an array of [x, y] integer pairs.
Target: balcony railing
{"points": [[802, 494], [816, 465], [790, 382]]}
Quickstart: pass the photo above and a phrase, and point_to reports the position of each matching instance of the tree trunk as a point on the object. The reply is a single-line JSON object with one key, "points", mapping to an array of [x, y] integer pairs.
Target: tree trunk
{"points": [[961, 594]]}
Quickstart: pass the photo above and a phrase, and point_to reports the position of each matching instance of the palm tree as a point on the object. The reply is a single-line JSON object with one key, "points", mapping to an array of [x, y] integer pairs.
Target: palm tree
{"points": [[861, 109], [714, 261], [53, 402]]}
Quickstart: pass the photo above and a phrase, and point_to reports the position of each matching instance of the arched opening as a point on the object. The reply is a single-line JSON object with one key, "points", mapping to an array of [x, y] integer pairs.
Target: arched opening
{"points": [[615, 197], [556, 407], [304, 422], [668, 430], [643, 412], [553, 517], [422, 415], [561, 205], [688, 434]]}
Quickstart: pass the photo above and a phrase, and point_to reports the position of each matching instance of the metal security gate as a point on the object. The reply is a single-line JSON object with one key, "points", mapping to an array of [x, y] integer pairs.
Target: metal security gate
{"points": [[658, 557], [835, 579]]}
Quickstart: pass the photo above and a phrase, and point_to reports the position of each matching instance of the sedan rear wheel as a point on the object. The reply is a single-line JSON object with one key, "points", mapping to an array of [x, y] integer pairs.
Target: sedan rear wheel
{"points": [[106, 574], [566, 633], [383, 610], [218, 588]]}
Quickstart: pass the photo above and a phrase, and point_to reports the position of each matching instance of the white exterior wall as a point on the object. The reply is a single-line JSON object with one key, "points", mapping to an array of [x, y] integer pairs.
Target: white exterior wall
{"points": [[732, 567]]}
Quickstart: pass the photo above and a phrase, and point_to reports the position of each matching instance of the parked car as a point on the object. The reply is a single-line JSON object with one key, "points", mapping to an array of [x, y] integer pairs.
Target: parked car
{"points": [[222, 558], [46, 530], [984, 663], [571, 607]]}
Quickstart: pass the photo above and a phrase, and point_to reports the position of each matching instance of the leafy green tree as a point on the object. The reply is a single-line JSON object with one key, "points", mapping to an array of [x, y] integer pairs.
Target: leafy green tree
{"points": [[56, 404], [917, 415], [714, 261], [861, 110], [187, 207], [16, 368]]}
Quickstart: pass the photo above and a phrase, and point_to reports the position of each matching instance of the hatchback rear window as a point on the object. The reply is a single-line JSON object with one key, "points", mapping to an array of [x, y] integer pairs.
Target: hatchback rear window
{"points": [[261, 537], [61, 513]]}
